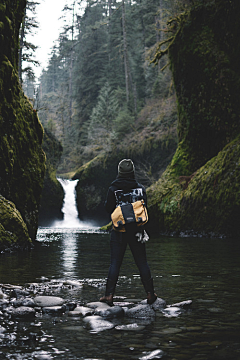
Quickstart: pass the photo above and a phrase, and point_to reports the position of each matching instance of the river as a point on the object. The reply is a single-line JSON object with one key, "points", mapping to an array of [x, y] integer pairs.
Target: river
{"points": [[206, 271]]}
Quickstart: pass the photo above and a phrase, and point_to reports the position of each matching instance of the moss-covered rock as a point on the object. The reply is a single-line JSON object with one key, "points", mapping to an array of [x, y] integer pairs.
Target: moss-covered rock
{"points": [[150, 155], [208, 202], [207, 82], [22, 160], [199, 191], [95, 178], [13, 230], [52, 193]]}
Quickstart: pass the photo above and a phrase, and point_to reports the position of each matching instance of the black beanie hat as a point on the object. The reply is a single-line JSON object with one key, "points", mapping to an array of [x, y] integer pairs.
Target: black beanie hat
{"points": [[126, 168]]}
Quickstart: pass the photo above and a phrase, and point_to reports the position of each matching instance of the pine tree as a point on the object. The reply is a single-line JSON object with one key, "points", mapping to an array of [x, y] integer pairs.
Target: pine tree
{"points": [[102, 117], [27, 48]]}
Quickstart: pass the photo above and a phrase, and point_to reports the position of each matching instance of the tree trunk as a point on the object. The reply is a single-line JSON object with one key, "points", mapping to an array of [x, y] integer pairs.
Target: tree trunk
{"points": [[159, 26], [22, 34], [125, 50]]}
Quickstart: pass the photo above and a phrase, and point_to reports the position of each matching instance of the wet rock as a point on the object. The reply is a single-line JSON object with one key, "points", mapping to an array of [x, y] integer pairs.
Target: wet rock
{"points": [[157, 305], [2, 329], [3, 304], [110, 312], [17, 293], [183, 304], [53, 310], [172, 311], [2, 295], [156, 354], [43, 356], [98, 304], [97, 324], [141, 311], [21, 312], [9, 310], [16, 302], [73, 283], [130, 327], [28, 302], [46, 301], [81, 311], [70, 306]]}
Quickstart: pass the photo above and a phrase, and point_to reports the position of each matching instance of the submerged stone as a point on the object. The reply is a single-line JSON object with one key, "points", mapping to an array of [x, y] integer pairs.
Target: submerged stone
{"points": [[130, 327], [81, 311], [156, 354], [97, 324], [53, 310], [172, 311], [182, 304]]}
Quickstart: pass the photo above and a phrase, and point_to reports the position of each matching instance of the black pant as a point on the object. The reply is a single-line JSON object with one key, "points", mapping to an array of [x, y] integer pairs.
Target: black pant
{"points": [[118, 245]]}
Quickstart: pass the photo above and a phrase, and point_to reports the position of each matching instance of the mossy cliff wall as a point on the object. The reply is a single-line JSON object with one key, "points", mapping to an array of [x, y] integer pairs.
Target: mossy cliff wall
{"points": [[22, 160], [96, 176], [200, 190], [52, 193], [94, 179]]}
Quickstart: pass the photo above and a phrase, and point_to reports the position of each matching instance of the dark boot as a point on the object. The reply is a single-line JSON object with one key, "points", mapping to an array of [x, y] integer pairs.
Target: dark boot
{"points": [[110, 289], [151, 297], [107, 299], [148, 286]]}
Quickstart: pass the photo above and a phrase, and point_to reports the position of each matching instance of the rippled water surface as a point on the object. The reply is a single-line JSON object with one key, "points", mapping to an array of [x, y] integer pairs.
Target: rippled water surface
{"points": [[207, 271]]}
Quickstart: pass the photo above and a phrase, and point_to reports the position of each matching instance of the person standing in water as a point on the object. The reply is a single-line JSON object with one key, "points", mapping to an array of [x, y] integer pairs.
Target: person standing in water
{"points": [[123, 187]]}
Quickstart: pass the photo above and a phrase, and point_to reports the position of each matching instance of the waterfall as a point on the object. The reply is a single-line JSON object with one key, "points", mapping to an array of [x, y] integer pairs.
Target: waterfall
{"points": [[69, 209]]}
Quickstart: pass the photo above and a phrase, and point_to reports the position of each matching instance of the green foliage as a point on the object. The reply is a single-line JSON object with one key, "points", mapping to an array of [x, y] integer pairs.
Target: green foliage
{"points": [[94, 58], [103, 115], [22, 160], [123, 123], [199, 192]]}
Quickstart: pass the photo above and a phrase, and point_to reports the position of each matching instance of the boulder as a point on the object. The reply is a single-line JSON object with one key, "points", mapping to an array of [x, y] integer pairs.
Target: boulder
{"points": [[53, 310], [47, 301], [111, 312], [141, 311], [81, 311], [21, 312], [97, 324]]}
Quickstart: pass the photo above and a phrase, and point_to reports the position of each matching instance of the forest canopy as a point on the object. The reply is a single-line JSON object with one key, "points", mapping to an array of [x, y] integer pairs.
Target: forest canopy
{"points": [[100, 77]]}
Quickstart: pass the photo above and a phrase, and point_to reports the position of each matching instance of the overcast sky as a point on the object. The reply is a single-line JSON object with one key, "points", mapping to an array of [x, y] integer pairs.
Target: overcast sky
{"points": [[48, 13]]}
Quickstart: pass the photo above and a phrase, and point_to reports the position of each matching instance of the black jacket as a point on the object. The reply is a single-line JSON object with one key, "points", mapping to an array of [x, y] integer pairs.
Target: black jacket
{"points": [[126, 185]]}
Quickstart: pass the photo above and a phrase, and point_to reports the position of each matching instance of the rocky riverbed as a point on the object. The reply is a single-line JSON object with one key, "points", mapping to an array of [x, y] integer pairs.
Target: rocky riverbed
{"points": [[33, 301]]}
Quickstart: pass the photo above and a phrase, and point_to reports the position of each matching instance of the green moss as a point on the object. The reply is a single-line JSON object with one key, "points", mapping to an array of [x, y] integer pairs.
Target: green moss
{"points": [[22, 161], [52, 194], [209, 204], [199, 191], [13, 229]]}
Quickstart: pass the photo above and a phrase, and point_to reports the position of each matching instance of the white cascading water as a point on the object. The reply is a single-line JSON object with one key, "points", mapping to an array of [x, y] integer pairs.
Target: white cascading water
{"points": [[69, 209]]}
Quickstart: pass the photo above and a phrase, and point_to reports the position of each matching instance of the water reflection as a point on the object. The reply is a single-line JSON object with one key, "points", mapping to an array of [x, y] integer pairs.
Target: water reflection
{"points": [[204, 270], [69, 254]]}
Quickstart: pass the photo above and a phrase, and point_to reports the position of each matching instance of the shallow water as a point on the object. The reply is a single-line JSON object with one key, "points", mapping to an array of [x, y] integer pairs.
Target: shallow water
{"points": [[207, 271]]}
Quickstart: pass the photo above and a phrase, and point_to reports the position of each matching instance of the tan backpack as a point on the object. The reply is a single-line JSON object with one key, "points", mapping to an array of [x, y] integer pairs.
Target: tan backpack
{"points": [[129, 216]]}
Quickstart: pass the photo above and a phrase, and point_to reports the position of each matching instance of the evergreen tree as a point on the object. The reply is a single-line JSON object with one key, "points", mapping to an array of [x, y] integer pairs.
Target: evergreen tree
{"points": [[102, 117], [27, 48]]}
